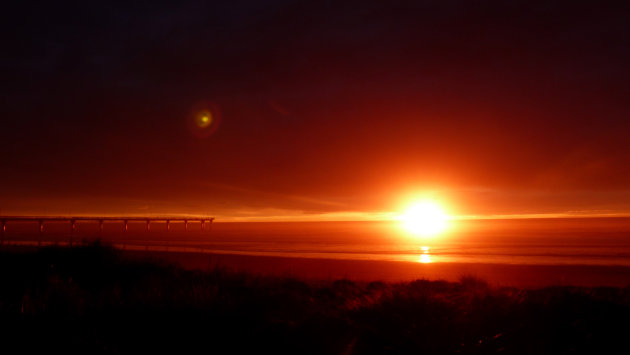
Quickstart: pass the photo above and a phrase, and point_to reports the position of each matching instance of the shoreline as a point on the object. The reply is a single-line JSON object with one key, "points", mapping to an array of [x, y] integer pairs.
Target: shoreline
{"points": [[497, 275], [509, 275]]}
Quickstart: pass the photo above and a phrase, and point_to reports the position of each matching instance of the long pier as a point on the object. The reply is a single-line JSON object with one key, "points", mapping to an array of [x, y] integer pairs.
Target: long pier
{"points": [[101, 221]]}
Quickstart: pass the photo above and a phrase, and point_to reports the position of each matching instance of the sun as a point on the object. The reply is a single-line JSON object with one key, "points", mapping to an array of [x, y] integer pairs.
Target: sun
{"points": [[425, 219]]}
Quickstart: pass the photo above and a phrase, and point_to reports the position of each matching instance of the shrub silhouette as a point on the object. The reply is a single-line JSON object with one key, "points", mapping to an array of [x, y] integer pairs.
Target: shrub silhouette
{"points": [[91, 299]]}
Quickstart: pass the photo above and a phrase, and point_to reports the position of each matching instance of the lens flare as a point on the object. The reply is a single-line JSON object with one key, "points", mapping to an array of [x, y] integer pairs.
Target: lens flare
{"points": [[204, 120]]}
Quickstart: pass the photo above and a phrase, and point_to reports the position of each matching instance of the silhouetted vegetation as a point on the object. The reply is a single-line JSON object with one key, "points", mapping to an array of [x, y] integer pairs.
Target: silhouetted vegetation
{"points": [[92, 300]]}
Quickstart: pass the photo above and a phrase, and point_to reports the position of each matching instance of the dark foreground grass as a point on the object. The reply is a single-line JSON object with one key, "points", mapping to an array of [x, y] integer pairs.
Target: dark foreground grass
{"points": [[91, 300]]}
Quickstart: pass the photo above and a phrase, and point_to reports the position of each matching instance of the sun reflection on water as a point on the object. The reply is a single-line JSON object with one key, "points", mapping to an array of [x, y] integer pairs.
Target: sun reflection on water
{"points": [[425, 257]]}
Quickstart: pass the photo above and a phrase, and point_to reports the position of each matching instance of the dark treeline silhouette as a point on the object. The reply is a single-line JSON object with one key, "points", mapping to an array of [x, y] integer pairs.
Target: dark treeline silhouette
{"points": [[92, 299]]}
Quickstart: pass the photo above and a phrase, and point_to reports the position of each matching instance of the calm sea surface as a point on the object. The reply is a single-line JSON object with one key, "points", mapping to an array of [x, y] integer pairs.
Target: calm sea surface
{"points": [[593, 241]]}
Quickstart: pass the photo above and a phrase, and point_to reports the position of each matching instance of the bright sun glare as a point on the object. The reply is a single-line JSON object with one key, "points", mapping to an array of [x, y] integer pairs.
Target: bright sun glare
{"points": [[425, 219]]}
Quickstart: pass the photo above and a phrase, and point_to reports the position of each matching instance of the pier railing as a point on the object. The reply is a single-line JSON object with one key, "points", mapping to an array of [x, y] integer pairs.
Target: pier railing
{"points": [[102, 220]]}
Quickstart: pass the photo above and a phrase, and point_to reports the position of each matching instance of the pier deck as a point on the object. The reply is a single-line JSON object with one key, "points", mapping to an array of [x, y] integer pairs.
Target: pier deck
{"points": [[101, 221]]}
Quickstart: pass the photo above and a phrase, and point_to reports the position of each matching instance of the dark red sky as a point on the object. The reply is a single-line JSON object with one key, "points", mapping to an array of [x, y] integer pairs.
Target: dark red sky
{"points": [[499, 107]]}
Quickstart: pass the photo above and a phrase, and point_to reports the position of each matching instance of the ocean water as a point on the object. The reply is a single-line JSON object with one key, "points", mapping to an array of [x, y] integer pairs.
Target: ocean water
{"points": [[585, 241]]}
